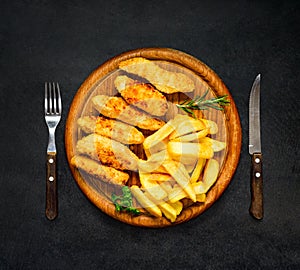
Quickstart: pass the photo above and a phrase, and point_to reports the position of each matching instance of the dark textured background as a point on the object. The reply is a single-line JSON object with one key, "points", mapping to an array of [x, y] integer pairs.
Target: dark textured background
{"points": [[65, 41]]}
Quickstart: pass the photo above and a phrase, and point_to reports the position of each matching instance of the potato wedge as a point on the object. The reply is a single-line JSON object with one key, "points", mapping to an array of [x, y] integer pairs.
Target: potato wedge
{"points": [[155, 140], [210, 176], [176, 194], [158, 177], [178, 206], [153, 162], [215, 144], [187, 152], [192, 136], [152, 187], [190, 167], [177, 171], [200, 188], [201, 197], [188, 125], [167, 209], [198, 170], [167, 186], [145, 202], [211, 125]]}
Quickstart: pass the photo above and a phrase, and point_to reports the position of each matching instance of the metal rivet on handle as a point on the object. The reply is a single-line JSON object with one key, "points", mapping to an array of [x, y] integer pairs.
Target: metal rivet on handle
{"points": [[51, 160], [51, 178], [257, 160], [257, 174]]}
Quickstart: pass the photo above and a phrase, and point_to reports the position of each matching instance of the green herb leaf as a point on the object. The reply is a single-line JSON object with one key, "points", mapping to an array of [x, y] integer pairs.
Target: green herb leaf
{"points": [[199, 103], [124, 202]]}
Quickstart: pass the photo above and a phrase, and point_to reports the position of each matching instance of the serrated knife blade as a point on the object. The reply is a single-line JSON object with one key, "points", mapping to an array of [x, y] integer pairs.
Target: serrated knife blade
{"points": [[256, 206]]}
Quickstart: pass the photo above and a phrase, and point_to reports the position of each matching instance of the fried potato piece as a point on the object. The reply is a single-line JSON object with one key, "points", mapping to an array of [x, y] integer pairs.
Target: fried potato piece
{"points": [[109, 152], [198, 170], [96, 169], [192, 136], [145, 202], [158, 140], [211, 125], [164, 80], [117, 108], [158, 177], [200, 188], [178, 194], [188, 125], [178, 206], [187, 153], [152, 187], [142, 95], [210, 176], [215, 144], [111, 128], [167, 209], [181, 176], [154, 161]]}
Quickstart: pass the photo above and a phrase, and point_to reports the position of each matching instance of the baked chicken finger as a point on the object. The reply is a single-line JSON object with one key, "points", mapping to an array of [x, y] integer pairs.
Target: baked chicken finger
{"points": [[142, 95], [118, 108], [109, 152], [164, 80], [111, 128], [96, 169]]}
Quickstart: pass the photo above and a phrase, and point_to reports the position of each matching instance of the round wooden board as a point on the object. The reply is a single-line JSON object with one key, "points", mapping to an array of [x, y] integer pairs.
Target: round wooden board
{"points": [[230, 120]]}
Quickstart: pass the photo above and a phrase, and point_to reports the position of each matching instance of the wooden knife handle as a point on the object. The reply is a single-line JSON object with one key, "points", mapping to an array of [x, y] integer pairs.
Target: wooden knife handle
{"points": [[51, 188], [256, 207]]}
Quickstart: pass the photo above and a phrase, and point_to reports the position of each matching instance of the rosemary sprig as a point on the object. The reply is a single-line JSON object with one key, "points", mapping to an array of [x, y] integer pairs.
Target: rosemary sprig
{"points": [[124, 202], [199, 103]]}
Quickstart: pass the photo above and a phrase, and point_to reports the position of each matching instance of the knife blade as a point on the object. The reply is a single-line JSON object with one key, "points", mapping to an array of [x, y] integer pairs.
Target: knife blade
{"points": [[256, 182]]}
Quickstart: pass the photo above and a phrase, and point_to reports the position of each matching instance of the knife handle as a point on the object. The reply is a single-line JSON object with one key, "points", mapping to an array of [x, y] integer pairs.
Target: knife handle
{"points": [[51, 188], [256, 207]]}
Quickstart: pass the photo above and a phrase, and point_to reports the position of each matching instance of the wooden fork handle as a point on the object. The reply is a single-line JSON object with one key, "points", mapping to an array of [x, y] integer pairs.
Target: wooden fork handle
{"points": [[51, 188]]}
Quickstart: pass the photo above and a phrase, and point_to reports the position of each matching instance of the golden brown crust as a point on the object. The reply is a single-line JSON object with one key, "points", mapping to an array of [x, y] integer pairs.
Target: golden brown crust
{"points": [[164, 80], [110, 128], [96, 169], [109, 152], [117, 108], [142, 95]]}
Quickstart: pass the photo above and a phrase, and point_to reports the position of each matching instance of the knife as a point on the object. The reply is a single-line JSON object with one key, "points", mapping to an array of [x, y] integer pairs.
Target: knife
{"points": [[256, 207]]}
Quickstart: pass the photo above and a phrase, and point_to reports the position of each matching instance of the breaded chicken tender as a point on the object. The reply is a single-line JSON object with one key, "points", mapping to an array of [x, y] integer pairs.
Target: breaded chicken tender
{"points": [[109, 152], [117, 108], [142, 95], [96, 169], [110, 128], [164, 80]]}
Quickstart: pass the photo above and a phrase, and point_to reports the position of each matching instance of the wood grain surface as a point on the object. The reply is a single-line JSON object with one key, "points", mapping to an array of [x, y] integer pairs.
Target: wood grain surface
{"points": [[100, 81]]}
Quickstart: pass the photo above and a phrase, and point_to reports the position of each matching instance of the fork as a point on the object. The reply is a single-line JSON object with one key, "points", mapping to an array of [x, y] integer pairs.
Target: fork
{"points": [[53, 109]]}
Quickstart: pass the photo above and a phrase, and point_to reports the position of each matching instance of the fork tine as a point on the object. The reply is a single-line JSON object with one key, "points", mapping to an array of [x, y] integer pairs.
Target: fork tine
{"points": [[53, 104], [59, 99], [46, 98], [54, 97], [50, 98]]}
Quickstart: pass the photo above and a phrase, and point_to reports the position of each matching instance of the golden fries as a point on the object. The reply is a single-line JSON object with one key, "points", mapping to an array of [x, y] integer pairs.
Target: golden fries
{"points": [[152, 187], [156, 139], [209, 177], [145, 202], [198, 169], [179, 165], [177, 171], [154, 161], [187, 152]]}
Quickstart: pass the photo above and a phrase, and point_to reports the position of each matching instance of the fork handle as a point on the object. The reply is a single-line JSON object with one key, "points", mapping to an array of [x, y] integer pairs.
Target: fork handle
{"points": [[51, 187]]}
